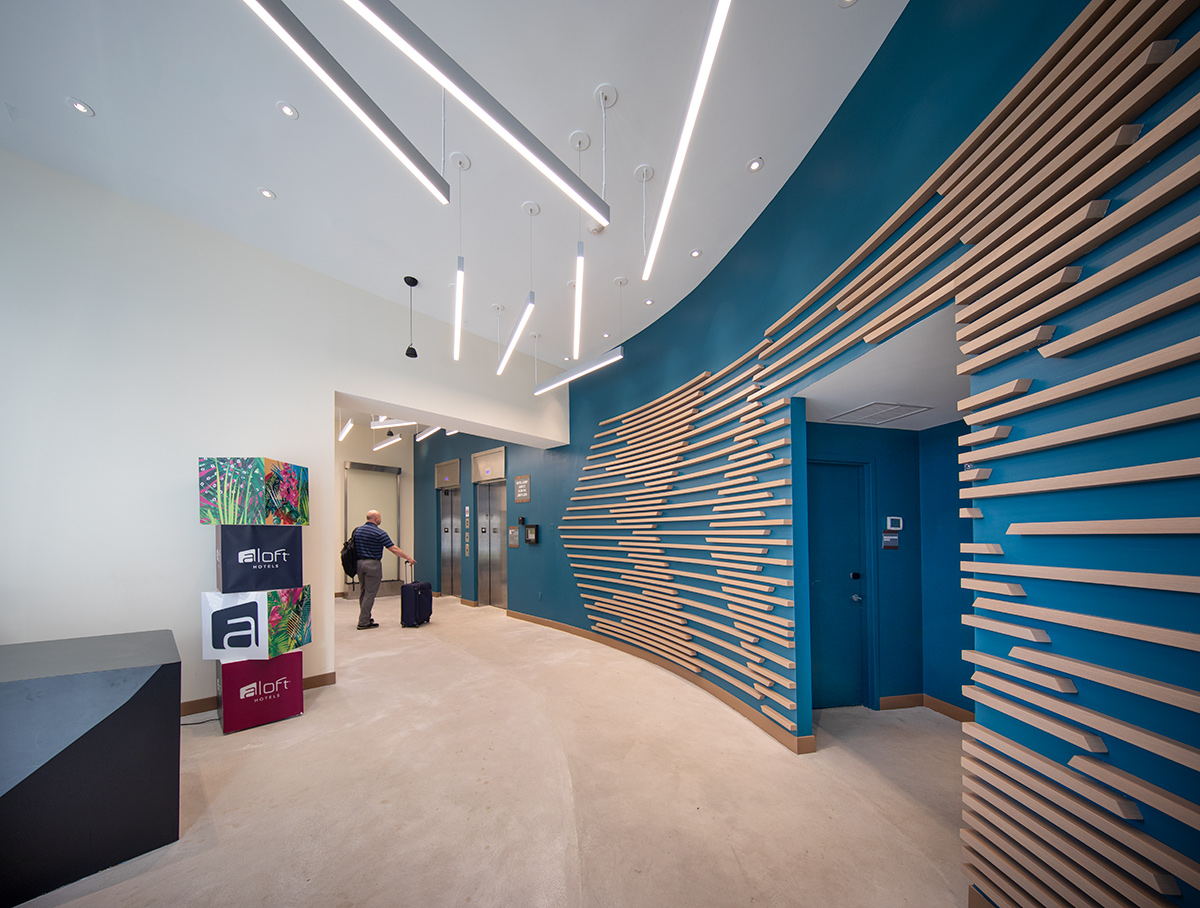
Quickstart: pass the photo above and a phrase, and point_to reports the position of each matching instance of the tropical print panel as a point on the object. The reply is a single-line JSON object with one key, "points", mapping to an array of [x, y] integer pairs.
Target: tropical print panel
{"points": [[289, 620], [253, 490]]}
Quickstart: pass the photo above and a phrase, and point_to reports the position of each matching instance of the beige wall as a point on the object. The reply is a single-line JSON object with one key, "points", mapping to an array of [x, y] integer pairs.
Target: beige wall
{"points": [[135, 342]]}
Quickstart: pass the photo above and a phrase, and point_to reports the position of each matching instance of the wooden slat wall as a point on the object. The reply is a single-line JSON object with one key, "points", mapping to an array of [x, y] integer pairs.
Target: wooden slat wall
{"points": [[1076, 202]]}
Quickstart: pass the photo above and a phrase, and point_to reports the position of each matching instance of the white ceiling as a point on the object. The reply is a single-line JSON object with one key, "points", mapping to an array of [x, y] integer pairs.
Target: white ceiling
{"points": [[185, 98], [186, 121]]}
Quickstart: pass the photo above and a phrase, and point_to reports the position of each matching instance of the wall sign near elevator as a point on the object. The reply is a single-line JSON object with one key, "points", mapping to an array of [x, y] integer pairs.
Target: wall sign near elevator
{"points": [[521, 489]]}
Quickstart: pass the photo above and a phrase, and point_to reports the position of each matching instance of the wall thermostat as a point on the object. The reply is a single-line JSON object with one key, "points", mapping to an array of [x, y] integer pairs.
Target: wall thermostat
{"points": [[895, 523]]}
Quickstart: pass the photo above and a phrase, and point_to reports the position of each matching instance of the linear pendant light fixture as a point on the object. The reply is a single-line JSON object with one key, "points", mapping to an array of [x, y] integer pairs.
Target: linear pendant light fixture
{"points": [[459, 280], [516, 335], [390, 440], [313, 54], [578, 298], [715, 27], [346, 429], [579, 371], [418, 47], [425, 433]]}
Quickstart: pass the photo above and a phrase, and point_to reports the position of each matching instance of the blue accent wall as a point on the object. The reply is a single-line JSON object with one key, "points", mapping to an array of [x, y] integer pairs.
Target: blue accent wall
{"points": [[943, 600], [893, 588]]}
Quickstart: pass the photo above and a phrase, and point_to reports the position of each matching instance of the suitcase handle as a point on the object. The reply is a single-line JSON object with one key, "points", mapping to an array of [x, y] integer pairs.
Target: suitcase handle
{"points": [[409, 571]]}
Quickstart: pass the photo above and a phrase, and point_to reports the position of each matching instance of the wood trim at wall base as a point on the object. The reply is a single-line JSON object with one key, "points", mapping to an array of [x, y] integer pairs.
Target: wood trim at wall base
{"points": [[208, 704], [799, 744], [470, 602], [902, 701], [947, 709], [203, 705]]}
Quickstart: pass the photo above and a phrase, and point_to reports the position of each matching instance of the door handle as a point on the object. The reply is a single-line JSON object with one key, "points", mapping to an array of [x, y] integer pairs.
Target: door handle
{"points": [[856, 597]]}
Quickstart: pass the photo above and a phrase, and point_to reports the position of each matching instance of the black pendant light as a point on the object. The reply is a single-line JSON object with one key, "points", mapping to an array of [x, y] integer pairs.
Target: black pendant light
{"points": [[411, 352]]}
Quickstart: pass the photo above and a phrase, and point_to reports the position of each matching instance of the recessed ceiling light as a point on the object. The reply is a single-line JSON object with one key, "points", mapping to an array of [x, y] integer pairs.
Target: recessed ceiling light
{"points": [[846, 3], [606, 334], [287, 110], [265, 193], [81, 107], [696, 253], [754, 165], [566, 359], [649, 302]]}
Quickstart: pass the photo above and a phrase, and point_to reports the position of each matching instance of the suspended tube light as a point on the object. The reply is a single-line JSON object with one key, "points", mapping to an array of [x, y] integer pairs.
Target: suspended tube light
{"points": [[438, 65], [516, 335], [312, 53], [581, 370]]}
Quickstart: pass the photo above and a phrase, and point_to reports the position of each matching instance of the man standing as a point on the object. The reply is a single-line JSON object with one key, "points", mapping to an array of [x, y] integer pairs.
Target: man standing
{"points": [[369, 542]]}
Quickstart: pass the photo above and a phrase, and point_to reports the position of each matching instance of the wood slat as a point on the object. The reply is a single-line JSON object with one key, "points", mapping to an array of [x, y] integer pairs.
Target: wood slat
{"points": [[1006, 320], [1038, 293], [1008, 667], [776, 696], [991, 586], [1180, 411], [1006, 351], [981, 548], [1150, 633], [982, 436], [1150, 472], [994, 395], [1154, 526], [1072, 734], [1068, 778], [767, 654], [1019, 814], [1007, 628], [935, 291], [782, 720], [1173, 750], [1138, 855], [1168, 189], [1180, 583], [1159, 306], [1183, 697], [1149, 794], [974, 475], [972, 513]]}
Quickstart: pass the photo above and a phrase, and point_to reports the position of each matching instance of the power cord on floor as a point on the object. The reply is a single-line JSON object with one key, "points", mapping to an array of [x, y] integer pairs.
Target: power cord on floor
{"points": [[201, 722]]}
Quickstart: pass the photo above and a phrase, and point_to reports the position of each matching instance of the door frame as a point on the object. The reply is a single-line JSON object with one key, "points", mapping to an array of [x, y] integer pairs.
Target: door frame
{"points": [[870, 562]]}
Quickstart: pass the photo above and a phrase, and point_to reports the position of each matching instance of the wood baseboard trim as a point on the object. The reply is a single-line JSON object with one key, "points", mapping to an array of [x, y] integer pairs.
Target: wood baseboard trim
{"points": [[798, 744], [902, 701], [470, 602], [320, 680], [208, 704], [203, 705], [948, 709]]}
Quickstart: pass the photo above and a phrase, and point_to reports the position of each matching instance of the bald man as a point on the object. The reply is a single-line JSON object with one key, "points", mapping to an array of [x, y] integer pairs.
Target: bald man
{"points": [[369, 542]]}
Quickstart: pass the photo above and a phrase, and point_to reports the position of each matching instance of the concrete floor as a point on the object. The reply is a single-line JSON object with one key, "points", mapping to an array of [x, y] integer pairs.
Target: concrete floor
{"points": [[485, 761]]}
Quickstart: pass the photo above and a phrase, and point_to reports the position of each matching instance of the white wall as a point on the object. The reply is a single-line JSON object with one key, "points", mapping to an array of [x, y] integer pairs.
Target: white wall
{"points": [[357, 449], [135, 342]]}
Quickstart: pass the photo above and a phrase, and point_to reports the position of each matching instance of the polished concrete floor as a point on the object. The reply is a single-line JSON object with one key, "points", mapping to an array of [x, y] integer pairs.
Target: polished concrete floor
{"points": [[485, 761]]}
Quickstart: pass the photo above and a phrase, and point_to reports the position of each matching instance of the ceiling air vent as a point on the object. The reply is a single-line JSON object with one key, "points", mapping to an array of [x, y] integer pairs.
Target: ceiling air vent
{"points": [[876, 414]]}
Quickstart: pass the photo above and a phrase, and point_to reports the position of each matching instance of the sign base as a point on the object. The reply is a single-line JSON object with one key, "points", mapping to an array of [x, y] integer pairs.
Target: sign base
{"points": [[257, 691]]}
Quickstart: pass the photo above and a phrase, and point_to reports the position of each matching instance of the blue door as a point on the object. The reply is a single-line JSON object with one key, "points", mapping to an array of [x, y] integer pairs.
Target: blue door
{"points": [[836, 564]]}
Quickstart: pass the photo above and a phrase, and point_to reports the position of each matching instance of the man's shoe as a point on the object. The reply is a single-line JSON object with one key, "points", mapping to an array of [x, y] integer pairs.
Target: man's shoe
{"points": [[365, 627]]}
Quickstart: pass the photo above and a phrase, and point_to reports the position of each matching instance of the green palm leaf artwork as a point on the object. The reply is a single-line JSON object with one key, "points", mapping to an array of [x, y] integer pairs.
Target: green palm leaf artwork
{"points": [[253, 490], [289, 621]]}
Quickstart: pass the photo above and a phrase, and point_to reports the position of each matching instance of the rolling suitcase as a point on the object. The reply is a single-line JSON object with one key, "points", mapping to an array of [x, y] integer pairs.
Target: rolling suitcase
{"points": [[416, 602]]}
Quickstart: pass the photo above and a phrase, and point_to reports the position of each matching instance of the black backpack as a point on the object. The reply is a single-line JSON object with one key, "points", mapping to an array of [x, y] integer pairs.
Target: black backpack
{"points": [[349, 557]]}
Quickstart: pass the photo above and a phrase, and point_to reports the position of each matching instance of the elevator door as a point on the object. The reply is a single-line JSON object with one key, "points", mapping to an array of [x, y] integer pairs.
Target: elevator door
{"points": [[493, 544], [451, 513]]}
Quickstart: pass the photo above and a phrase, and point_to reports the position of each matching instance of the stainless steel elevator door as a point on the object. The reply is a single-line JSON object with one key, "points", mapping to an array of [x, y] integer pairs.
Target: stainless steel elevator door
{"points": [[493, 544], [451, 549]]}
